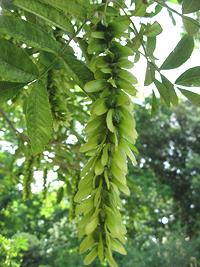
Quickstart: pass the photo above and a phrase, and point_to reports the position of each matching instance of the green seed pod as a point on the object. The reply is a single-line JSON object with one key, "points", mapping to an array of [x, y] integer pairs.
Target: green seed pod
{"points": [[110, 134], [91, 256]]}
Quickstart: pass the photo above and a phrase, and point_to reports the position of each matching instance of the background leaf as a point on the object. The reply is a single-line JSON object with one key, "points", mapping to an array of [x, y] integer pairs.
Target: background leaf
{"points": [[76, 68], [154, 104], [28, 33], [191, 25], [151, 45], [140, 8], [8, 90], [190, 6], [170, 87], [150, 74], [190, 77], [34, 36], [164, 93], [76, 8], [153, 30], [48, 13], [193, 97], [38, 118], [180, 54], [15, 64]]}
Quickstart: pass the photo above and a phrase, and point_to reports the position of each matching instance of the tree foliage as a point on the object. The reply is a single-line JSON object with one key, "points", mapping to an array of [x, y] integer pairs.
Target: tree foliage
{"points": [[48, 93]]}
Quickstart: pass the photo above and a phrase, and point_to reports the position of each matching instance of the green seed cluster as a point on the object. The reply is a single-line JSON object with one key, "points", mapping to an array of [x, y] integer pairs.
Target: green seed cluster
{"points": [[28, 177], [56, 98], [111, 134]]}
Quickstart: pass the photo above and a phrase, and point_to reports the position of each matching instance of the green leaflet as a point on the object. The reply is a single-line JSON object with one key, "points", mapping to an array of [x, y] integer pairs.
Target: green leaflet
{"points": [[38, 118], [151, 45], [34, 36], [27, 33], [170, 87], [47, 12], [190, 6], [140, 8], [60, 194], [153, 30], [15, 64], [76, 8], [154, 104], [149, 75], [47, 59], [164, 93], [8, 90], [180, 54], [191, 25], [77, 69], [193, 97], [190, 77]]}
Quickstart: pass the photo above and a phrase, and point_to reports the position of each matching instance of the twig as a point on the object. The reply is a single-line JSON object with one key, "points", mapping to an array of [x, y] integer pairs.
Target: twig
{"points": [[12, 127]]}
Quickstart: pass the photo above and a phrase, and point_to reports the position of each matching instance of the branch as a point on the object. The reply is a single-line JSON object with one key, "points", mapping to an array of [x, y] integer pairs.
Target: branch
{"points": [[12, 127]]}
